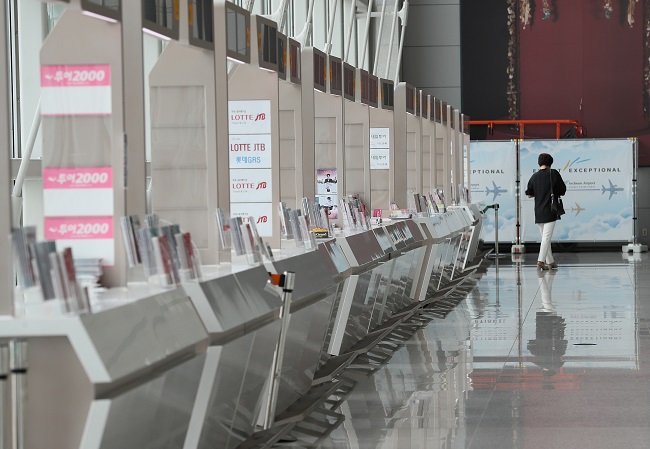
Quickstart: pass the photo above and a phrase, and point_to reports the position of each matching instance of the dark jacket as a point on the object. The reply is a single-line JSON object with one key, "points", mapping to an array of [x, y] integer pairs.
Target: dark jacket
{"points": [[539, 186]]}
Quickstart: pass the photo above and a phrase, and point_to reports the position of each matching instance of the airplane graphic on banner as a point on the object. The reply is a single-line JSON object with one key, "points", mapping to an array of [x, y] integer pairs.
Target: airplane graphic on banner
{"points": [[612, 189], [496, 191], [577, 209]]}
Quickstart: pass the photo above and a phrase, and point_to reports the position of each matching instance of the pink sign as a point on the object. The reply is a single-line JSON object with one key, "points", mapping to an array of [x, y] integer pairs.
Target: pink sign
{"points": [[78, 178], [78, 228], [75, 75]]}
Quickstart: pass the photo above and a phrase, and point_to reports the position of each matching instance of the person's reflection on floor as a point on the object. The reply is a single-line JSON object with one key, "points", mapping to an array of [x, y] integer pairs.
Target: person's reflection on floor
{"points": [[545, 288], [549, 345]]}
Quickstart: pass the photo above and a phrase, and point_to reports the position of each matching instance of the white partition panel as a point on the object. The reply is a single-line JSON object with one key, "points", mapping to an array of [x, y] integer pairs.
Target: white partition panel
{"points": [[494, 181]]}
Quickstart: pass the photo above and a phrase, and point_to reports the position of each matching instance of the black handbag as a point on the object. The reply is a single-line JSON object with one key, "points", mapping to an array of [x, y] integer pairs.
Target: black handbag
{"points": [[556, 202]]}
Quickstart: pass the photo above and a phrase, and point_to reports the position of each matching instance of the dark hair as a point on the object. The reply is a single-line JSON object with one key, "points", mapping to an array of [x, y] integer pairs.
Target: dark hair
{"points": [[545, 159]]}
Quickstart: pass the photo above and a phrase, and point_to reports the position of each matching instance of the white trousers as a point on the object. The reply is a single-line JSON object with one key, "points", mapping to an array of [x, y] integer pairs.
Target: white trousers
{"points": [[545, 254]]}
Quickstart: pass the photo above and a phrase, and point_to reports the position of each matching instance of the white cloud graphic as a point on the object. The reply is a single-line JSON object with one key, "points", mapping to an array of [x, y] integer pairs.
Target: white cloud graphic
{"points": [[602, 228]]}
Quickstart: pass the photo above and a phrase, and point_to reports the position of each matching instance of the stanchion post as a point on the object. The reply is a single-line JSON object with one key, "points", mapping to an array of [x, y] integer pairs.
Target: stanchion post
{"points": [[5, 415], [496, 230], [18, 366], [287, 283]]}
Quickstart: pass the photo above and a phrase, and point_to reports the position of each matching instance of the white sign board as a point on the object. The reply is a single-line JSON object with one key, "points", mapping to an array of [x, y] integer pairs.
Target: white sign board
{"points": [[249, 117], [379, 148], [262, 213], [250, 151], [250, 186]]}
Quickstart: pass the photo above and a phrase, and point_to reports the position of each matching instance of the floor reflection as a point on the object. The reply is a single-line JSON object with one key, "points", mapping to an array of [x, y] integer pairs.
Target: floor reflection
{"points": [[528, 360]]}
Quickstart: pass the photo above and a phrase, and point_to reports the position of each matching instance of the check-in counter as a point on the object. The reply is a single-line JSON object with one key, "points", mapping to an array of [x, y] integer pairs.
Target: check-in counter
{"points": [[314, 295], [189, 367], [241, 319], [124, 376], [390, 269]]}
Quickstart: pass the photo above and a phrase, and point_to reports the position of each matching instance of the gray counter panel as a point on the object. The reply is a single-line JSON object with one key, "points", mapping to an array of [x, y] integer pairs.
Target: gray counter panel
{"points": [[137, 335], [235, 388], [302, 353], [155, 415]]}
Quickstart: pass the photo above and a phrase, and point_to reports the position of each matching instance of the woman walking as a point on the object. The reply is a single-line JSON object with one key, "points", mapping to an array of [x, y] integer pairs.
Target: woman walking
{"points": [[540, 186]]}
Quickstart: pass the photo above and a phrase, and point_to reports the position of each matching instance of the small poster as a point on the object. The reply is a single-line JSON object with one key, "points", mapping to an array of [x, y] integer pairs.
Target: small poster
{"points": [[329, 201], [326, 181]]}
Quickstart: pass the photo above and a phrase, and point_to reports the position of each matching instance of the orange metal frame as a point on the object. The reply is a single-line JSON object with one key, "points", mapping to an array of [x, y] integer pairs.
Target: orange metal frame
{"points": [[522, 125]]}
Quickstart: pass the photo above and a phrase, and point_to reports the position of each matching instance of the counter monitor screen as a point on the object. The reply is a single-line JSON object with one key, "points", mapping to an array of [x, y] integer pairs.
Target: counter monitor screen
{"points": [[160, 17], [107, 8], [437, 108], [336, 76], [465, 124], [200, 23], [294, 61], [365, 87], [238, 25], [373, 91], [443, 109], [349, 80], [282, 56], [425, 105], [387, 94], [320, 69], [452, 118], [410, 99], [418, 101], [267, 43], [432, 108]]}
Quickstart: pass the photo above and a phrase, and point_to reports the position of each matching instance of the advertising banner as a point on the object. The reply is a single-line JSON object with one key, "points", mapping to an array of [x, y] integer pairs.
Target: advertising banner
{"points": [[493, 176], [250, 151], [598, 202], [76, 90], [78, 210], [78, 201]]}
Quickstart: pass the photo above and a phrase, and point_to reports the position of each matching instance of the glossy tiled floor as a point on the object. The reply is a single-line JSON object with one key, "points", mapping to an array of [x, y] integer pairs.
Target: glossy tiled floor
{"points": [[528, 360]]}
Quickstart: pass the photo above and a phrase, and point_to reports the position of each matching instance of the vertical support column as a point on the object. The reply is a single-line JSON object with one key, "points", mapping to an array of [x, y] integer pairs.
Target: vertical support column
{"points": [[446, 157], [308, 126], [6, 266], [422, 97], [459, 175], [221, 105], [398, 156], [133, 93]]}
